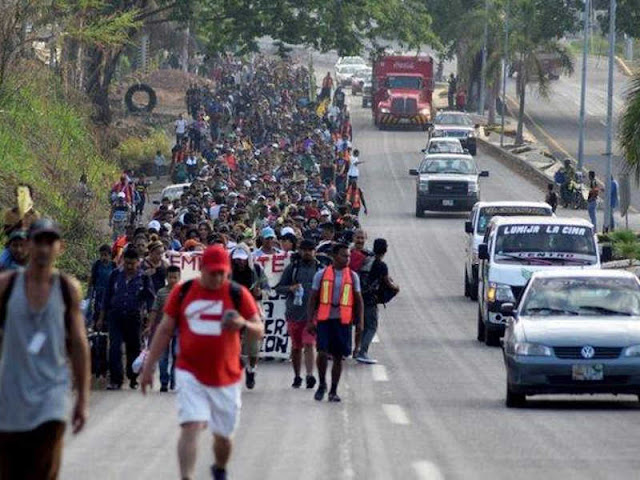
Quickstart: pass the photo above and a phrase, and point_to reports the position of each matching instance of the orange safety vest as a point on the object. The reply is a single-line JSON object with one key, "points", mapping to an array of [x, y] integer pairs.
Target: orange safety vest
{"points": [[326, 296], [354, 197]]}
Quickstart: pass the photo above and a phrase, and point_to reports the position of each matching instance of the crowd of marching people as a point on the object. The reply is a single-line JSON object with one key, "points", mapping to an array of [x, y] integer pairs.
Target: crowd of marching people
{"points": [[267, 169]]}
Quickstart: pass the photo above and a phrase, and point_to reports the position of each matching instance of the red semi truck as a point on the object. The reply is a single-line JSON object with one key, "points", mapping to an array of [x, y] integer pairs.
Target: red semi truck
{"points": [[402, 90]]}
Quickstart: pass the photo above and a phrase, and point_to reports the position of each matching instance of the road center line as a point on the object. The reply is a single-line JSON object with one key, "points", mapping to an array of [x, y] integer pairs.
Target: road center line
{"points": [[396, 414], [427, 470], [379, 373]]}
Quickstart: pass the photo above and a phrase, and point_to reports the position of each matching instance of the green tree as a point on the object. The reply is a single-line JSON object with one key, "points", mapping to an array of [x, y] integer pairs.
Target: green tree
{"points": [[629, 129]]}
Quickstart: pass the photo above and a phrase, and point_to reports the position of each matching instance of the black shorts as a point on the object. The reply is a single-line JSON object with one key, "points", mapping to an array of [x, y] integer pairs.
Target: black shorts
{"points": [[334, 338]]}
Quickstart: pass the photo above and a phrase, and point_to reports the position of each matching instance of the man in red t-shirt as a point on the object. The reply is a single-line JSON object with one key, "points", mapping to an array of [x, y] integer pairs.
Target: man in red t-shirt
{"points": [[209, 314]]}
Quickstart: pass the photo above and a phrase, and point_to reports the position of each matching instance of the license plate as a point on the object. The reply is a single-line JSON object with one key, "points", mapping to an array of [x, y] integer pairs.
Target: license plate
{"points": [[588, 372], [447, 203]]}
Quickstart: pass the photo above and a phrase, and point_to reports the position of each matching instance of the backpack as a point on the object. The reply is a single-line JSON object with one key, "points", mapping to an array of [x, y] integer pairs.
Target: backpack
{"points": [[296, 267], [66, 297], [235, 292], [368, 287]]}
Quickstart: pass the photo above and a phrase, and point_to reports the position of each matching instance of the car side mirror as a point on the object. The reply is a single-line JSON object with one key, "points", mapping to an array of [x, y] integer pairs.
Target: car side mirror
{"points": [[484, 173], [424, 150], [507, 309], [483, 251], [468, 227], [413, 172], [607, 254]]}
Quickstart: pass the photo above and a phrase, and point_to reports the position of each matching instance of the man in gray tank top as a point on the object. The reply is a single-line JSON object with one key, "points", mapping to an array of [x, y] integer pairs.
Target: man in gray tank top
{"points": [[42, 327]]}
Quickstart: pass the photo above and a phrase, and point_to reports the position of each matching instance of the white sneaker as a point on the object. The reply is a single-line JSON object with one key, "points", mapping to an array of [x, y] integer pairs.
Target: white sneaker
{"points": [[365, 359]]}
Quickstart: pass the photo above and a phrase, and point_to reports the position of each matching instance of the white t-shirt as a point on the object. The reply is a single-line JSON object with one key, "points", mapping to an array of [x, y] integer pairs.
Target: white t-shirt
{"points": [[354, 171], [181, 126]]}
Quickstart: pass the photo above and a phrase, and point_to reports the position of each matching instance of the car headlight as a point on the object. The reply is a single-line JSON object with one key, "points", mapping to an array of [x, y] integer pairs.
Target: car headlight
{"points": [[384, 110], [532, 350], [424, 185], [632, 351], [498, 292], [473, 187]]}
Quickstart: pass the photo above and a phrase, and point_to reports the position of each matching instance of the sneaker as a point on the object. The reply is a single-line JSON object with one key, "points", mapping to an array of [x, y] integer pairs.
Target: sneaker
{"points": [[133, 384], [164, 388], [114, 386], [322, 389], [297, 382], [333, 397], [250, 379], [218, 473], [311, 381], [362, 358]]}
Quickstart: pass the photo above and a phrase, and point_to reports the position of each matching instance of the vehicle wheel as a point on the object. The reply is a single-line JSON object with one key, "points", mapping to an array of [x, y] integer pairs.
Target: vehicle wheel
{"points": [[473, 290], [480, 335], [515, 400], [419, 211], [491, 339], [467, 287]]}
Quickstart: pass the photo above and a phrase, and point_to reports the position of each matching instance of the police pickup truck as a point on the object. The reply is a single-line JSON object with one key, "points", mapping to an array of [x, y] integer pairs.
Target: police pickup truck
{"points": [[447, 183], [515, 247]]}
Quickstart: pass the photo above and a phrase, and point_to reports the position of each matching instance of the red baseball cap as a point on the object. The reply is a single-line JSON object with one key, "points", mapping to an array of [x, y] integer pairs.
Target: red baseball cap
{"points": [[215, 259]]}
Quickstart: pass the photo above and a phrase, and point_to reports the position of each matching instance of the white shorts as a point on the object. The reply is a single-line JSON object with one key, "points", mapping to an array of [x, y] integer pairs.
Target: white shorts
{"points": [[219, 406]]}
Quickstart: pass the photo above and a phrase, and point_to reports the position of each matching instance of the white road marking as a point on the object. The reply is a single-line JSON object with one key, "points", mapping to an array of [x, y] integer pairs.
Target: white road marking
{"points": [[375, 339], [379, 373], [396, 414], [427, 470]]}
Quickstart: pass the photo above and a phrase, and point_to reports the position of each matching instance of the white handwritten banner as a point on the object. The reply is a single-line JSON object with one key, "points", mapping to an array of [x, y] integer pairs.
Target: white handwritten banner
{"points": [[276, 338], [188, 262]]}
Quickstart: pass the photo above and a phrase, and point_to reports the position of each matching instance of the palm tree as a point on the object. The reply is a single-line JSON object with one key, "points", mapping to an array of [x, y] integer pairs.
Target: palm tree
{"points": [[629, 129]]}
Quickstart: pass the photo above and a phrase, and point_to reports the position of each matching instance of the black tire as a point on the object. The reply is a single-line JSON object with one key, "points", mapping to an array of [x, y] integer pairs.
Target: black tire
{"points": [[491, 338], [473, 290], [140, 87], [419, 211], [515, 400], [467, 286], [480, 330]]}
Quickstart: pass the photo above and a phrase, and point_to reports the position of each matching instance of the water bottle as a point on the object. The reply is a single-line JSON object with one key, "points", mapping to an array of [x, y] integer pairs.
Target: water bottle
{"points": [[297, 298]]}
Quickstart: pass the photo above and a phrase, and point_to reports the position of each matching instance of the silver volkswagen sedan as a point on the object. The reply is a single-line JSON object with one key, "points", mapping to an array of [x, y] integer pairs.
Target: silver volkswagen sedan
{"points": [[574, 332]]}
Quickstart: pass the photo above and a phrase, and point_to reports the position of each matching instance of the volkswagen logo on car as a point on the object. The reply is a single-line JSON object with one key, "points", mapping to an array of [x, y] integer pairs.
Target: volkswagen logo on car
{"points": [[587, 351]]}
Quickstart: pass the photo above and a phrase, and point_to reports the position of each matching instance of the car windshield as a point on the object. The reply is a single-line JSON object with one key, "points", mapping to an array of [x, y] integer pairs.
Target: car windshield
{"points": [[347, 69], [599, 296], [453, 119], [352, 61], [545, 244], [445, 147], [398, 81], [363, 72], [448, 165], [487, 213]]}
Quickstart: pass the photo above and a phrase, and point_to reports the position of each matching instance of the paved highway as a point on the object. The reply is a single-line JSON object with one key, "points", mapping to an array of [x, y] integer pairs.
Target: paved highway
{"points": [[432, 409], [558, 115]]}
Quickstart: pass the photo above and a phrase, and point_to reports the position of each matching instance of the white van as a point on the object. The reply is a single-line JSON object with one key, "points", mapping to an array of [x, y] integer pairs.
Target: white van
{"points": [[476, 227], [514, 248]]}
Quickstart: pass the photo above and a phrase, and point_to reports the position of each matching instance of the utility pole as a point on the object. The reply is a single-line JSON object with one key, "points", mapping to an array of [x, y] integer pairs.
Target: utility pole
{"points": [[505, 66], [609, 152], [483, 75], [583, 86]]}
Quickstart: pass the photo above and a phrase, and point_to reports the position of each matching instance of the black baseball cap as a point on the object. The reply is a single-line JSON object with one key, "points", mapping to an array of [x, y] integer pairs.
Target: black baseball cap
{"points": [[44, 226], [307, 244]]}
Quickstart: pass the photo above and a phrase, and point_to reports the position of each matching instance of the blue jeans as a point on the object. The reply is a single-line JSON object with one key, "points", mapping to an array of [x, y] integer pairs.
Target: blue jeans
{"points": [[166, 370], [370, 327], [591, 207]]}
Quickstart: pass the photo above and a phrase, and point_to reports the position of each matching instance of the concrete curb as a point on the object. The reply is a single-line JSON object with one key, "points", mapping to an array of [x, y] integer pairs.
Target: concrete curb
{"points": [[624, 68], [515, 163]]}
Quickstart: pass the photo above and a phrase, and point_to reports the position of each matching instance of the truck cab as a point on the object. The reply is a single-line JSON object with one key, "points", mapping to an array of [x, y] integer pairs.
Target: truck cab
{"points": [[476, 227], [402, 88], [515, 247]]}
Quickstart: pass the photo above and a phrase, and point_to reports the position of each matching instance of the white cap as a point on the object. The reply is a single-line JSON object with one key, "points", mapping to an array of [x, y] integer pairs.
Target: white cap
{"points": [[287, 230], [325, 212], [154, 224], [167, 226], [239, 254], [122, 195], [247, 183]]}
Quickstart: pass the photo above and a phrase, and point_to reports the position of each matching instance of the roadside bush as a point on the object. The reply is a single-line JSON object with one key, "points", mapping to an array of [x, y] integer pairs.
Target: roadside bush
{"points": [[47, 142], [625, 245], [137, 152]]}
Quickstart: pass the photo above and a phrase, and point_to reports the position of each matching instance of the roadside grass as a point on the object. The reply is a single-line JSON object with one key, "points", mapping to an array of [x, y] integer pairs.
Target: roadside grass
{"points": [[46, 141]]}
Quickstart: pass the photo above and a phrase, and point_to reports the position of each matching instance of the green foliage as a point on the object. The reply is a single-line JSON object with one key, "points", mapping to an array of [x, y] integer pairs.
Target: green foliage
{"points": [[629, 129], [134, 152], [47, 143], [625, 244], [627, 16]]}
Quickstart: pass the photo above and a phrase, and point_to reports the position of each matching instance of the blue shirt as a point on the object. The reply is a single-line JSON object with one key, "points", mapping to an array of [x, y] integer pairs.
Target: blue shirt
{"points": [[7, 262], [128, 297]]}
